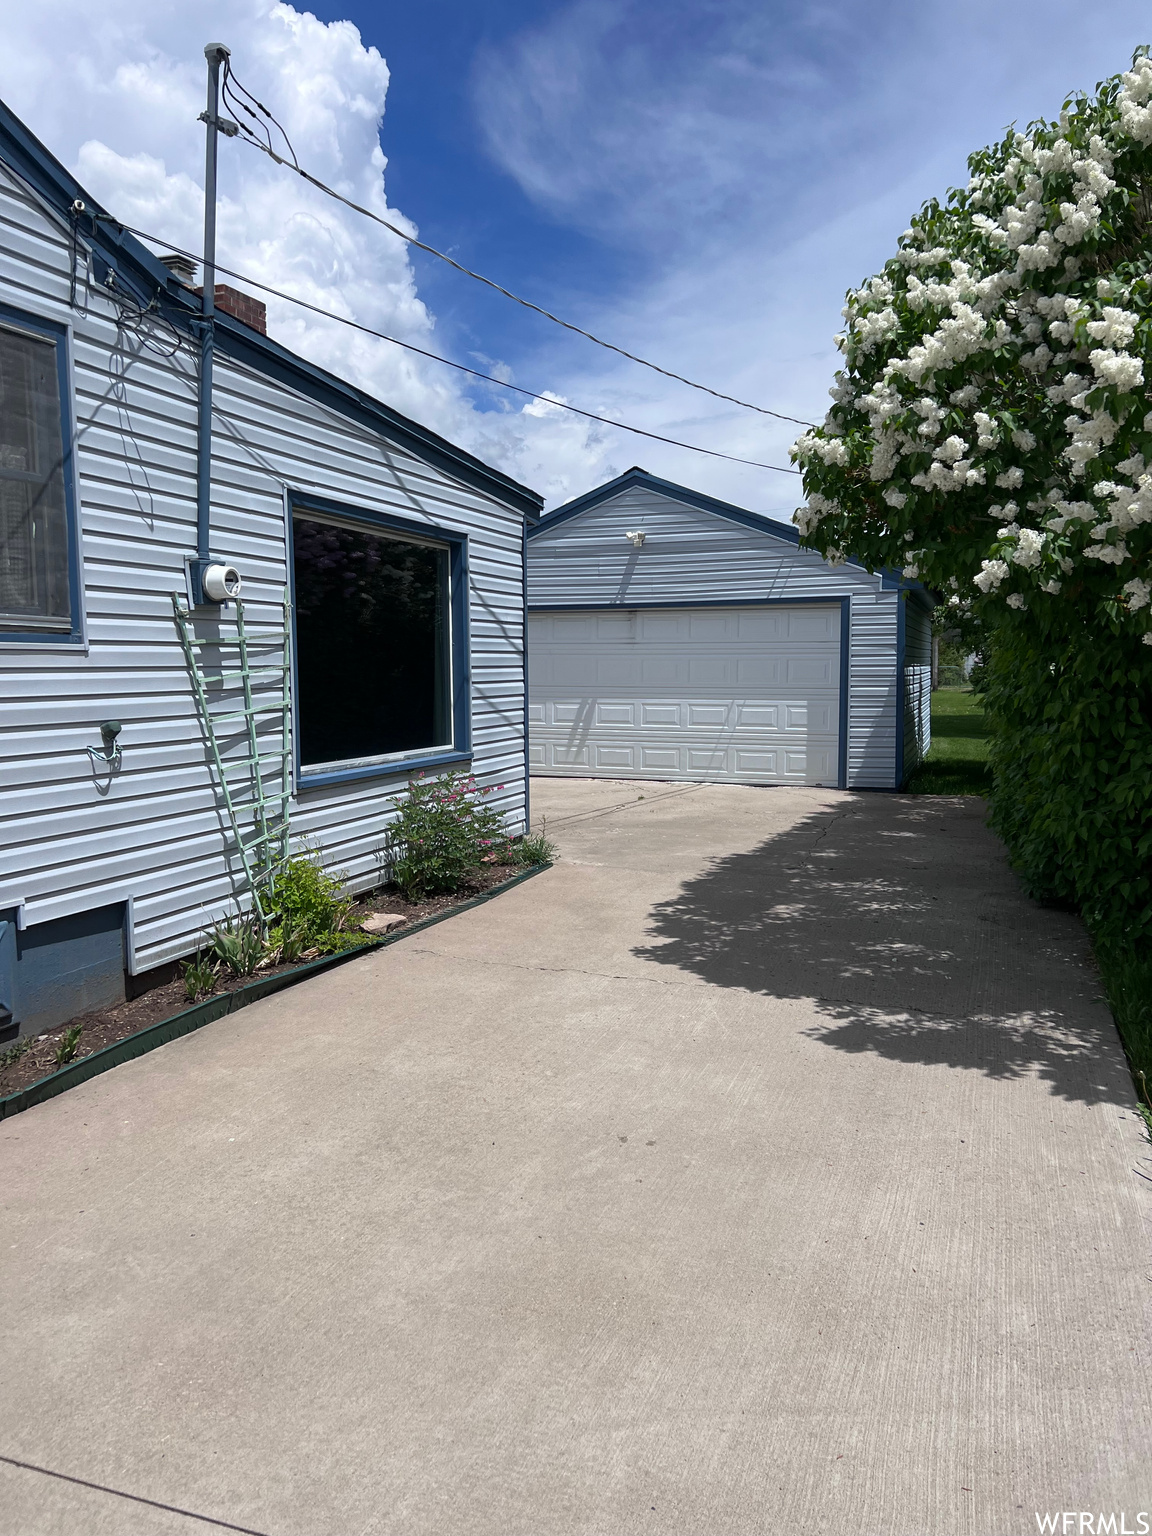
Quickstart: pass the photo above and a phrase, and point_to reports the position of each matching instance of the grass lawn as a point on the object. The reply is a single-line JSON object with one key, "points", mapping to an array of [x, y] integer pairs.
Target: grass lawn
{"points": [[957, 763]]}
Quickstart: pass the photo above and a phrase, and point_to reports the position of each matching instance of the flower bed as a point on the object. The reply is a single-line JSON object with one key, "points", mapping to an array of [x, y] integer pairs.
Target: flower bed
{"points": [[119, 1034]]}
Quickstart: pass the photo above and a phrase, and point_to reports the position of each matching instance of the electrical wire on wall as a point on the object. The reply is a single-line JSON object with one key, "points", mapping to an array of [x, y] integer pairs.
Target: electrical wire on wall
{"points": [[262, 140], [488, 378]]}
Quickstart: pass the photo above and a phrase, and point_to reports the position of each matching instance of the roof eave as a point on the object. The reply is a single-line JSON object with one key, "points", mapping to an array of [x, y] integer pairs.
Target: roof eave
{"points": [[141, 270]]}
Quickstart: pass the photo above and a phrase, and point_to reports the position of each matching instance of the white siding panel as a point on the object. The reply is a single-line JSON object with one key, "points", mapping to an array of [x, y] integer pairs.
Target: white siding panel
{"points": [[77, 838], [917, 685]]}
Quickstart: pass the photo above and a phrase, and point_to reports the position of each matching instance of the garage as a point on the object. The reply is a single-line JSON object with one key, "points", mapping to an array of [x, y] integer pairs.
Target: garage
{"points": [[675, 636], [746, 695]]}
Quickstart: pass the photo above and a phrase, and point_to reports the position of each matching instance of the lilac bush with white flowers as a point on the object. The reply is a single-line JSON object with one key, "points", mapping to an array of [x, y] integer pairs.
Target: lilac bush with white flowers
{"points": [[991, 431], [991, 435]]}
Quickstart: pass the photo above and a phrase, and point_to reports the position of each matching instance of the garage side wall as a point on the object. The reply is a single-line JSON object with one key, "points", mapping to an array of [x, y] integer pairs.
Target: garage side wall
{"points": [[917, 724], [691, 556]]}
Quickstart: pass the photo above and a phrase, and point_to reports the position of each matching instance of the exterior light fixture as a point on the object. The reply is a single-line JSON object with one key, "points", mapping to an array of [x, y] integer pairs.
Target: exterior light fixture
{"points": [[110, 754], [636, 537]]}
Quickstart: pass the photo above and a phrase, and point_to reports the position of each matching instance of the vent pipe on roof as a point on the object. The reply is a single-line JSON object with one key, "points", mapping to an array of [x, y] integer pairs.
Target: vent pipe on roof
{"points": [[181, 266]]}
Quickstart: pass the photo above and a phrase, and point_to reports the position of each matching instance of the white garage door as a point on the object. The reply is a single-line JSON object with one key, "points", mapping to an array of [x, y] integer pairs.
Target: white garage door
{"points": [[748, 695]]}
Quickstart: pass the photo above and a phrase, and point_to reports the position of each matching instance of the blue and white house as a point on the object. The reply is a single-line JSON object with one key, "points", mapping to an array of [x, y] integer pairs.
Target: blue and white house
{"points": [[673, 636], [158, 749]]}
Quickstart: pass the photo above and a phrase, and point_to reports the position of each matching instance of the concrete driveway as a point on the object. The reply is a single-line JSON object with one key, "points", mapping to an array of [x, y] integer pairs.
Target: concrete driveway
{"points": [[768, 1166]]}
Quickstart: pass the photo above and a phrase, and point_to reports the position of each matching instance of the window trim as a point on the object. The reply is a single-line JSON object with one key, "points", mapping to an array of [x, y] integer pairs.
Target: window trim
{"points": [[61, 333], [460, 673]]}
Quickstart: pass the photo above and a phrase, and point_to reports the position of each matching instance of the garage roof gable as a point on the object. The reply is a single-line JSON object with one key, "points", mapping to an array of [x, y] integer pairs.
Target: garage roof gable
{"points": [[788, 533]]}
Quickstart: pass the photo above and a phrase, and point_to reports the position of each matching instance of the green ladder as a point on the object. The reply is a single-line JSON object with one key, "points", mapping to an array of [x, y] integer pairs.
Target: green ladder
{"points": [[257, 813]]}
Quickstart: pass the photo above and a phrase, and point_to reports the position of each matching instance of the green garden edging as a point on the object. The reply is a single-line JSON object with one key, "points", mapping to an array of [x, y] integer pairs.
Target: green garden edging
{"points": [[213, 1008]]}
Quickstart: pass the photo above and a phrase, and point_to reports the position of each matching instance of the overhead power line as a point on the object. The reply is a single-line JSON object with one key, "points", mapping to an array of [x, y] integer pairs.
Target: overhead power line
{"points": [[265, 144], [435, 357]]}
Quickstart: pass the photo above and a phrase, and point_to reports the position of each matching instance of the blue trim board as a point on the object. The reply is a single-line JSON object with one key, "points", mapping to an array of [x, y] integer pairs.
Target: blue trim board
{"points": [[457, 545], [141, 274], [901, 647], [53, 331], [845, 679], [708, 602], [524, 632]]}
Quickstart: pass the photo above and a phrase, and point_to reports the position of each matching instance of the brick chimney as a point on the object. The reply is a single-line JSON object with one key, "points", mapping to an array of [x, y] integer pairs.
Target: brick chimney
{"points": [[241, 306]]}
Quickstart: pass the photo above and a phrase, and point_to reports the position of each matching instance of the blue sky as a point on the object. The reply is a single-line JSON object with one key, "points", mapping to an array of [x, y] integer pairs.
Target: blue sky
{"points": [[698, 181], [640, 164]]}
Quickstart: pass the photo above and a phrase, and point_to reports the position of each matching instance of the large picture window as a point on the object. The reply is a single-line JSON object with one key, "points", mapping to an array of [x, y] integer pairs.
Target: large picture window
{"points": [[35, 562], [373, 643]]}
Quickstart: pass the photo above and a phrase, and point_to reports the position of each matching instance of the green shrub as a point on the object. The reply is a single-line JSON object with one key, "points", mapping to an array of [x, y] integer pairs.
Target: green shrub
{"points": [[307, 907], [336, 942], [199, 977], [443, 830], [532, 849], [1127, 977], [1071, 754], [305, 899], [238, 944], [67, 1047], [12, 1053]]}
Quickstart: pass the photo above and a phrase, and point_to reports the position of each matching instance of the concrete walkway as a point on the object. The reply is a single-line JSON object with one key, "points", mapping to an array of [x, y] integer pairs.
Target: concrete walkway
{"points": [[767, 1166]]}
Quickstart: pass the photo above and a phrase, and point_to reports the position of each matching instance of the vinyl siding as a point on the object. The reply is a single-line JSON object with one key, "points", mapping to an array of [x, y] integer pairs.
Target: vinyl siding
{"points": [[692, 556], [917, 684], [156, 831]]}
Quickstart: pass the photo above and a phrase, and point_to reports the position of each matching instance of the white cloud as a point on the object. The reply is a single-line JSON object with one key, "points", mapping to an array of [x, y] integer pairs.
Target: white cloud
{"points": [[752, 160], [119, 106]]}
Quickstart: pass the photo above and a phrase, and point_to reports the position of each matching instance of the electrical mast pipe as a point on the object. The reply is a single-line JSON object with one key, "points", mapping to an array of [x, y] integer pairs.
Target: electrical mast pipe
{"points": [[215, 53]]}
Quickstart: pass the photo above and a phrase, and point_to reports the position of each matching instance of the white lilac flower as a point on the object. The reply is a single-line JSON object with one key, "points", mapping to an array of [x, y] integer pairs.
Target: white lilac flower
{"points": [[991, 574], [1016, 600], [1120, 369], [1029, 548], [1010, 479], [951, 449], [895, 498], [1135, 119], [1138, 592], [809, 517], [1116, 329], [1130, 507], [832, 450], [1088, 437], [1024, 440], [1109, 554]]}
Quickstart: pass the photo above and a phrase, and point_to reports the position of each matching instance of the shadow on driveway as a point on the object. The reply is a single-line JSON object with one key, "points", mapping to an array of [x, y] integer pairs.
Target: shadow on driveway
{"points": [[901, 917]]}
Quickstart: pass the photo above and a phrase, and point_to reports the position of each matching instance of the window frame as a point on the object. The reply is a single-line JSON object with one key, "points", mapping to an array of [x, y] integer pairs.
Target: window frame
{"points": [[459, 648], [12, 318]]}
